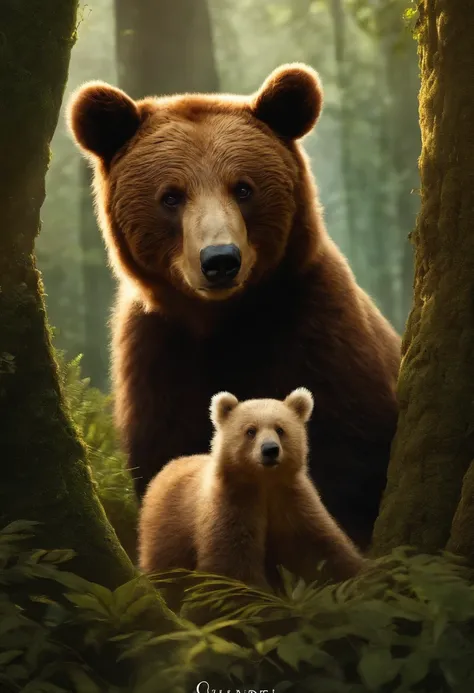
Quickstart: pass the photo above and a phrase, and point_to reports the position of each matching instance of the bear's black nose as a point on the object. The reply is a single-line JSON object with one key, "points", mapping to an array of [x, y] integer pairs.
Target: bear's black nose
{"points": [[220, 263], [270, 452]]}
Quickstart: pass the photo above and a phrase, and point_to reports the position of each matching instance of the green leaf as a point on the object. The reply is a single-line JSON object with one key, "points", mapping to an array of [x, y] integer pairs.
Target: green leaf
{"points": [[125, 594], [9, 656], [218, 624], [292, 649], [18, 526], [83, 682], [227, 647], [138, 607], [415, 667], [377, 667], [8, 623], [89, 602], [265, 646], [439, 626], [17, 672], [42, 687], [299, 590], [283, 686], [193, 652], [58, 555]]}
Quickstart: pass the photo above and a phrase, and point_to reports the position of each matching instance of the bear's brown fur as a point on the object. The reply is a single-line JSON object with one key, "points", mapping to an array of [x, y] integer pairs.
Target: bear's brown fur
{"points": [[175, 175], [247, 507]]}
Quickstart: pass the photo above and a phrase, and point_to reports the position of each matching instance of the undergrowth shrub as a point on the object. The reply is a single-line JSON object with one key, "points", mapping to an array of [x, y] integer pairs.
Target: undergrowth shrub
{"points": [[91, 411], [405, 625]]}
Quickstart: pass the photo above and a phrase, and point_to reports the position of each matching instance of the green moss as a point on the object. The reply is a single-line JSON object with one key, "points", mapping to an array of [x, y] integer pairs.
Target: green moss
{"points": [[434, 444], [44, 472], [461, 540]]}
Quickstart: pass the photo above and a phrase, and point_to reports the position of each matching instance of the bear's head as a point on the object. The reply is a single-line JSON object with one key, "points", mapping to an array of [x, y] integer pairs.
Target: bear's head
{"points": [[198, 194], [262, 434]]}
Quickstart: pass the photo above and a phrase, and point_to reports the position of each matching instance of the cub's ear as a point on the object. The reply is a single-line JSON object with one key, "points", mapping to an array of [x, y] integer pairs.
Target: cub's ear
{"points": [[301, 402], [290, 100], [102, 119], [221, 406]]}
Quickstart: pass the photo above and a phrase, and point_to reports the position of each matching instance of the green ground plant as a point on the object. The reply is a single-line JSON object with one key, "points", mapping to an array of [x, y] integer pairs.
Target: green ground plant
{"points": [[406, 625], [91, 411]]}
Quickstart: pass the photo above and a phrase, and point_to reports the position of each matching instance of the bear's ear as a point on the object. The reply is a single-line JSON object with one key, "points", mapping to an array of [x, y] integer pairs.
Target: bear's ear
{"points": [[301, 402], [290, 100], [221, 406], [102, 119]]}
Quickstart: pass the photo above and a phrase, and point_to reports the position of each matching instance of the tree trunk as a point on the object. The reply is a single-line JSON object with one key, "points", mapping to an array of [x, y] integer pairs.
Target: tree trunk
{"points": [[339, 30], [434, 443], [164, 48], [45, 475], [402, 79], [98, 289], [398, 175], [461, 540]]}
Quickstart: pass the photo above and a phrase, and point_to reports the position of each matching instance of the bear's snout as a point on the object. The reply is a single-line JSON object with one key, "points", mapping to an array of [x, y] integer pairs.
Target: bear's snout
{"points": [[270, 452], [220, 264]]}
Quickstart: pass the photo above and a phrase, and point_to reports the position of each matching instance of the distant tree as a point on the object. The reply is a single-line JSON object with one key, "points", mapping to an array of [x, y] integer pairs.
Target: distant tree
{"points": [[45, 475], [164, 48], [384, 93], [98, 287], [343, 81], [431, 473], [400, 83]]}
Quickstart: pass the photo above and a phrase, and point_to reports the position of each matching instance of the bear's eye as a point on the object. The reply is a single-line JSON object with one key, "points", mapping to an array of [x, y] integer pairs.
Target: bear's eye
{"points": [[279, 431], [172, 199], [251, 432], [242, 191]]}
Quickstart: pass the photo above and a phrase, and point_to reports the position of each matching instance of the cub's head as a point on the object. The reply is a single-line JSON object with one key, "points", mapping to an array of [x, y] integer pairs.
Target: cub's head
{"points": [[262, 435], [198, 192]]}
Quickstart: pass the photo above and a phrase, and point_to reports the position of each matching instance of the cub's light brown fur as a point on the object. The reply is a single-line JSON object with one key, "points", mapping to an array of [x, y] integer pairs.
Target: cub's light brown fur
{"points": [[239, 513]]}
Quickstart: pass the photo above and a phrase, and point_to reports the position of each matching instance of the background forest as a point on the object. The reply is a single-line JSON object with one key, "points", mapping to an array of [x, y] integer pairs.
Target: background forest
{"points": [[364, 150]]}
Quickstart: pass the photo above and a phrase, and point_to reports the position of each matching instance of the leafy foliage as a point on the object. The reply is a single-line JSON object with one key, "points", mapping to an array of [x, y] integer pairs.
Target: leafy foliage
{"points": [[404, 625], [91, 411]]}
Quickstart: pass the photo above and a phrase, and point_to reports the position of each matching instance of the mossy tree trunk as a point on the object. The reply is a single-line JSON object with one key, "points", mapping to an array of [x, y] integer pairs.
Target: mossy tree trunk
{"points": [[44, 474], [434, 444]]}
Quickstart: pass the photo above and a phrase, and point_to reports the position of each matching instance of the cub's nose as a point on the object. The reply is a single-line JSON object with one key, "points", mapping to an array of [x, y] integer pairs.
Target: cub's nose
{"points": [[220, 263], [270, 452]]}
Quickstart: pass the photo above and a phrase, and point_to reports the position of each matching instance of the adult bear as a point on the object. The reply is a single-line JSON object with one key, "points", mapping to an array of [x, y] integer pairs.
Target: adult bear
{"points": [[229, 281]]}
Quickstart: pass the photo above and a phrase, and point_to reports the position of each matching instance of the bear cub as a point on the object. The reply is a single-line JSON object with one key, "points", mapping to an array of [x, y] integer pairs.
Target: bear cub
{"points": [[248, 506]]}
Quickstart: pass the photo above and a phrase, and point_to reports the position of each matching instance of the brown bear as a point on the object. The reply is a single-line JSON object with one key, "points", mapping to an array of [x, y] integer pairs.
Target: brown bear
{"points": [[229, 281], [247, 507]]}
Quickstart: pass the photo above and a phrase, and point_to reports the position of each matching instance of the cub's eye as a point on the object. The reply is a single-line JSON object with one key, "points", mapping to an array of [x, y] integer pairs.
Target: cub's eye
{"points": [[172, 199], [251, 432], [279, 431], [243, 191]]}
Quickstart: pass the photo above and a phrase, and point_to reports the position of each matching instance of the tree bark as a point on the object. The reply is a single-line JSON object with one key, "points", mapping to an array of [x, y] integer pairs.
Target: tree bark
{"points": [[164, 48], [461, 540], [434, 443], [399, 86], [336, 9], [44, 472]]}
